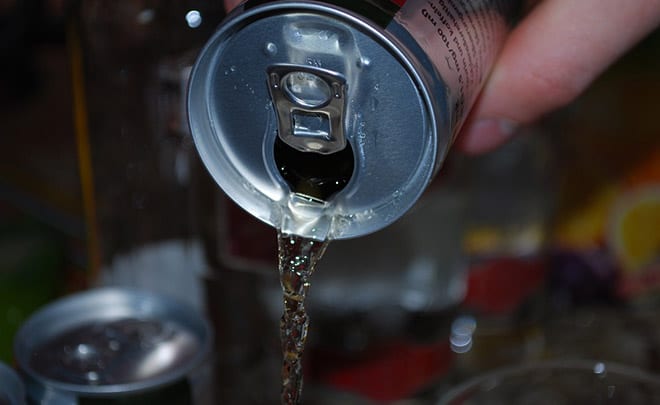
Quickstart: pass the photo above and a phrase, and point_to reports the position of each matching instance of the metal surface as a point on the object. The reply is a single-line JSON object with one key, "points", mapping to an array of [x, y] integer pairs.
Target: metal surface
{"points": [[12, 391], [397, 130], [109, 342], [310, 105]]}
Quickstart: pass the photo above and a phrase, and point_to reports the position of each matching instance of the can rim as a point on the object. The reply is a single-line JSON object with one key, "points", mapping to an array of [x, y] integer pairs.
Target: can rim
{"points": [[112, 303], [268, 208]]}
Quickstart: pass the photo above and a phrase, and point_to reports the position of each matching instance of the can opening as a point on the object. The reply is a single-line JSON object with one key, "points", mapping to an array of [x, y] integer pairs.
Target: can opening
{"points": [[313, 175]]}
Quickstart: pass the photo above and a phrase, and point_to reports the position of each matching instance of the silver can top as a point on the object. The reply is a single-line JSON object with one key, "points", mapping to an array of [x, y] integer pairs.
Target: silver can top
{"points": [[110, 341], [12, 391], [325, 82]]}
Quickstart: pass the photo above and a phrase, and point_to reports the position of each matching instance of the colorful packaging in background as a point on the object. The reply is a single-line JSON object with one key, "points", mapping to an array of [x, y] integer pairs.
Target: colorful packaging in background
{"points": [[573, 273], [508, 211], [606, 236]]}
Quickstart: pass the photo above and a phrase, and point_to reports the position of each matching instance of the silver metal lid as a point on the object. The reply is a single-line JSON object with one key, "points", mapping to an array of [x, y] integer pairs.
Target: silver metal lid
{"points": [[387, 116], [12, 391], [109, 341]]}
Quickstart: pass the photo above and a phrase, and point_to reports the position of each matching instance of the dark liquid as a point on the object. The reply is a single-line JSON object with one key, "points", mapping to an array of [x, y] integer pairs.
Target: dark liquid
{"points": [[297, 259], [312, 174], [317, 177]]}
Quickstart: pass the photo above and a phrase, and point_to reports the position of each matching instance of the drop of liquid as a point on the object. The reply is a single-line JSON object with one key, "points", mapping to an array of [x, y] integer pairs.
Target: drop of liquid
{"points": [[270, 49], [314, 175], [363, 62], [92, 376]]}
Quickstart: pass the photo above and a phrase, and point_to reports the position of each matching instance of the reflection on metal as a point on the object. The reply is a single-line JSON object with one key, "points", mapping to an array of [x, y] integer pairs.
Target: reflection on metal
{"points": [[194, 18], [462, 330]]}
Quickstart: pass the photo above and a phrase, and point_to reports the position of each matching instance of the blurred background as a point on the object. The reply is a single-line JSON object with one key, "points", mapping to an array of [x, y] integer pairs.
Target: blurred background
{"points": [[548, 247]]}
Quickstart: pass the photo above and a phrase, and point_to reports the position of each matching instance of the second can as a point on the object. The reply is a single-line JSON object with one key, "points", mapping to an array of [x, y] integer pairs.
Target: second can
{"points": [[329, 119]]}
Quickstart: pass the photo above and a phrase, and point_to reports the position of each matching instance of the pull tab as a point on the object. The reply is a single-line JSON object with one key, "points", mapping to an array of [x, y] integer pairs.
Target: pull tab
{"points": [[309, 103]]}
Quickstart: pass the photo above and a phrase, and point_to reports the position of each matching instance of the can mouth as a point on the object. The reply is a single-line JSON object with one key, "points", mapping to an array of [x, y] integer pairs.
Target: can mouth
{"points": [[84, 344], [312, 175]]}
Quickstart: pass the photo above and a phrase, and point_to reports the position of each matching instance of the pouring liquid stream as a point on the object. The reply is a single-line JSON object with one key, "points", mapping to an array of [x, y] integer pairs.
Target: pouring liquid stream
{"points": [[313, 179], [297, 259]]}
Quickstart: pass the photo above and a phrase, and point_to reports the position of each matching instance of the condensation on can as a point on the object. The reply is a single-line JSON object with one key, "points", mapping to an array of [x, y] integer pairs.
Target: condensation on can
{"points": [[114, 345], [408, 73]]}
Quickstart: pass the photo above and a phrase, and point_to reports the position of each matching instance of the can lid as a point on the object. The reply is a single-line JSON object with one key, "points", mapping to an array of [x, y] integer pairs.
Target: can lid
{"points": [[110, 341], [387, 116], [12, 391]]}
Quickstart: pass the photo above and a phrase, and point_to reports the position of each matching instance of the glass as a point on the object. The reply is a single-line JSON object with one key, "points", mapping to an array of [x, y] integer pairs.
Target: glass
{"points": [[135, 58], [601, 333], [559, 382]]}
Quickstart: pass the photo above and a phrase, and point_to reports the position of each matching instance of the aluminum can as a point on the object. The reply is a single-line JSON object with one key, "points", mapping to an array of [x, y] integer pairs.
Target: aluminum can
{"points": [[113, 345], [339, 113], [12, 391]]}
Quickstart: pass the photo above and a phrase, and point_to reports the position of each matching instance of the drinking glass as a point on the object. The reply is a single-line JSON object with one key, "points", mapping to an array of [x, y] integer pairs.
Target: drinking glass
{"points": [[559, 382]]}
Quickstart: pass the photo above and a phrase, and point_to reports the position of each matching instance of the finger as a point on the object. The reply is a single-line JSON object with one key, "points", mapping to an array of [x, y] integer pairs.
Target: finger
{"points": [[230, 4], [550, 58]]}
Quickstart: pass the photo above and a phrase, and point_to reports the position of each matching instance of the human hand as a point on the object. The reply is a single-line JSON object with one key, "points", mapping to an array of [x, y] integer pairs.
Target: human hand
{"points": [[230, 4], [551, 56]]}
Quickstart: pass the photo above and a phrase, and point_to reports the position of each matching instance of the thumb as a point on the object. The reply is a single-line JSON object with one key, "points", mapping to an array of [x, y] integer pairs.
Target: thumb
{"points": [[230, 4], [549, 59]]}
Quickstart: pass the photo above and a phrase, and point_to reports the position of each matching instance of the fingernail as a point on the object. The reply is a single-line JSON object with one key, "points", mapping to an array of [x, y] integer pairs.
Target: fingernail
{"points": [[486, 134]]}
